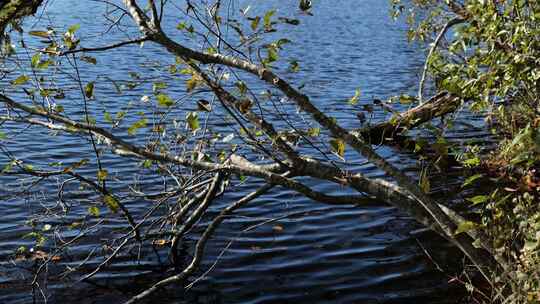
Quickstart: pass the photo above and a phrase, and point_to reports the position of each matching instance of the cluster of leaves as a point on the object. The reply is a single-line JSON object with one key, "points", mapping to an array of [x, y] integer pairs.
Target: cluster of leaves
{"points": [[492, 60]]}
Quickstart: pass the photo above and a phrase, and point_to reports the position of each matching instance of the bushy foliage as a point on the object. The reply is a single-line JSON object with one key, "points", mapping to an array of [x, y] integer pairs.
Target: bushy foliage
{"points": [[491, 58]]}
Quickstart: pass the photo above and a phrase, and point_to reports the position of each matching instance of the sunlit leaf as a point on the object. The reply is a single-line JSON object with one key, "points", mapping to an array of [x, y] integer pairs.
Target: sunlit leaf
{"points": [[338, 146], [465, 226], [42, 34], [471, 179], [406, 99], [255, 23], [136, 126], [192, 120], [147, 163], [268, 19], [272, 54], [111, 202], [108, 118], [479, 199], [20, 80], [89, 90], [102, 175], [354, 100], [164, 100], [314, 132], [191, 84], [161, 242], [72, 29], [94, 211], [36, 58], [158, 86], [424, 182]]}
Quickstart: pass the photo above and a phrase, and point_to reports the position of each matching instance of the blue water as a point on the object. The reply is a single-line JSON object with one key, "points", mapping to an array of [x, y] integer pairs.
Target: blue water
{"points": [[318, 253]]}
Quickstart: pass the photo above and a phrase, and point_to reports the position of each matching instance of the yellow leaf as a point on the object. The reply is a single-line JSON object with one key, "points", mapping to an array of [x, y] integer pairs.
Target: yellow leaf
{"points": [[102, 175], [42, 34], [338, 146], [161, 242], [354, 100], [112, 203]]}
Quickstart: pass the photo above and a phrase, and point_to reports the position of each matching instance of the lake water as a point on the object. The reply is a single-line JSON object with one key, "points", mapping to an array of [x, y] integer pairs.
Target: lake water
{"points": [[317, 253]]}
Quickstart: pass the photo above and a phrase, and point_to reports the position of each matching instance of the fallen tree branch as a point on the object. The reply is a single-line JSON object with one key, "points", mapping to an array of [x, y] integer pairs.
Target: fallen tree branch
{"points": [[391, 131], [445, 223]]}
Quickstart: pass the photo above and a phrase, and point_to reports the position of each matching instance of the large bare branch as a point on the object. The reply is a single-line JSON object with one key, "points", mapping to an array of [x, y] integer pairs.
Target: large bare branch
{"points": [[391, 131]]}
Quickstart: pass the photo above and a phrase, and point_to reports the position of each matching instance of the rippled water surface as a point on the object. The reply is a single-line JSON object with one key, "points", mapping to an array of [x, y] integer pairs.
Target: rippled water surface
{"points": [[319, 253]]}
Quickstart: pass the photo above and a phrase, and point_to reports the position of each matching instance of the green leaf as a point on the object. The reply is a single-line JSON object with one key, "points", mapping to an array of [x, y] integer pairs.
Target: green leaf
{"points": [[164, 100], [158, 86], [108, 118], [255, 23], [407, 99], [20, 80], [338, 146], [34, 62], [424, 182], [479, 199], [41, 34], [94, 211], [120, 115], [136, 126], [530, 245], [181, 26], [272, 54], [268, 19], [465, 226], [472, 162], [242, 87], [44, 64], [471, 179], [191, 84], [192, 119], [314, 132], [282, 42], [89, 90], [147, 164], [111, 202], [102, 175], [59, 108], [72, 29], [354, 100]]}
